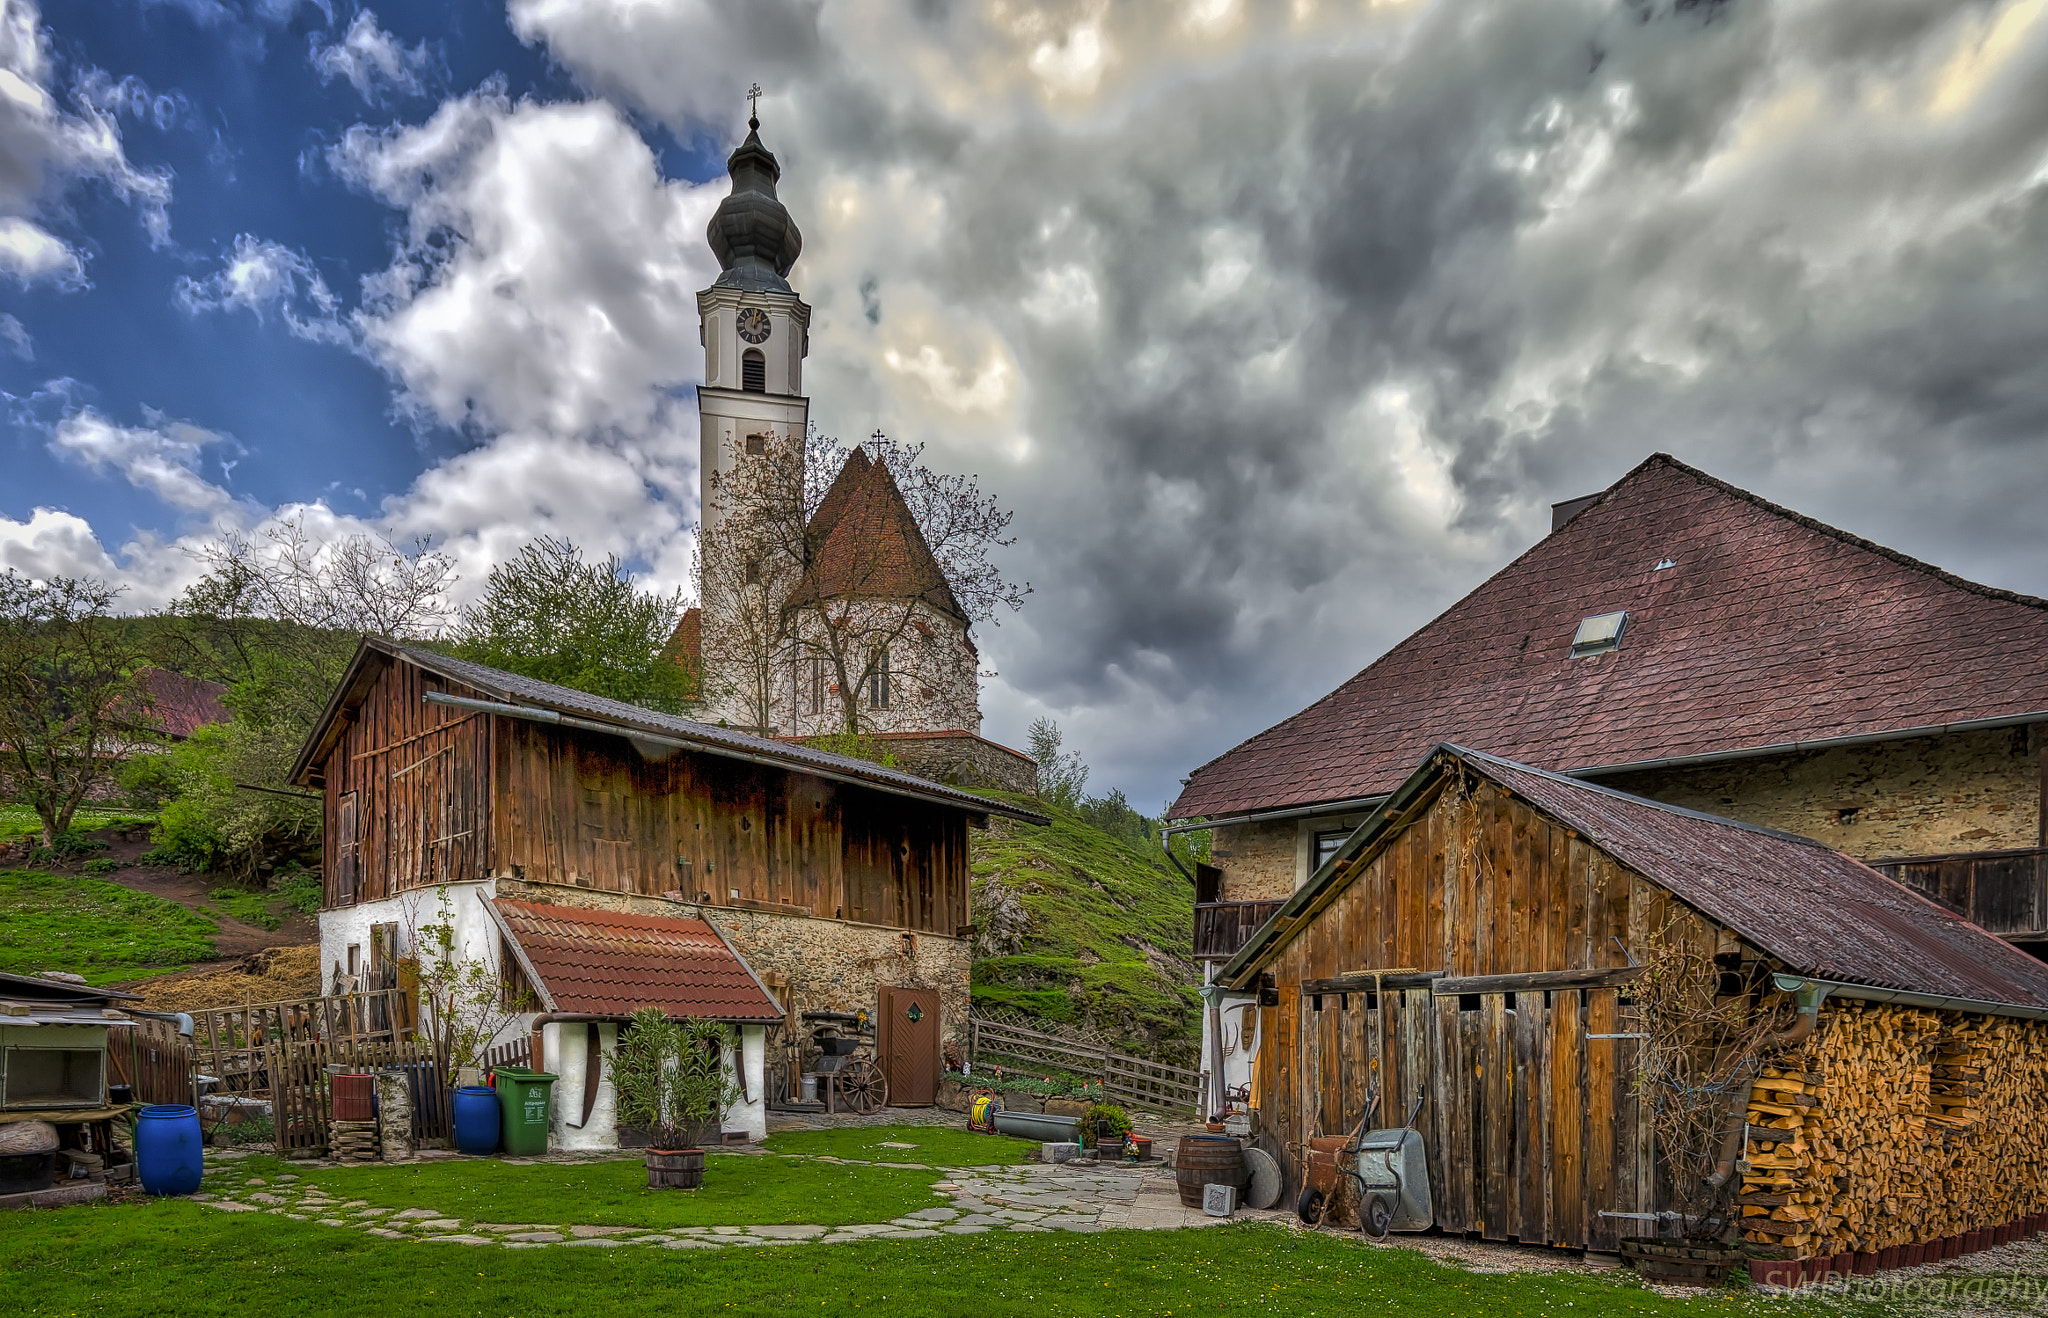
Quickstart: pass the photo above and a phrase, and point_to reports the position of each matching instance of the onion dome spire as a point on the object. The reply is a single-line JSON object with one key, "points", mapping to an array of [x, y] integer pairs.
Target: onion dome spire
{"points": [[751, 233]]}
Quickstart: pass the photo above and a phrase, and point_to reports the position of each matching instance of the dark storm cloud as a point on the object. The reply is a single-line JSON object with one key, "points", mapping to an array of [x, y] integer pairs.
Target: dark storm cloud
{"points": [[1311, 320]]}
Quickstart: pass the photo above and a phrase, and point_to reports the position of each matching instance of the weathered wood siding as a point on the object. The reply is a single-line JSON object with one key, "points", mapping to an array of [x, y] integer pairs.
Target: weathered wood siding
{"points": [[440, 795], [1531, 1126], [420, 778], [586, 809]]}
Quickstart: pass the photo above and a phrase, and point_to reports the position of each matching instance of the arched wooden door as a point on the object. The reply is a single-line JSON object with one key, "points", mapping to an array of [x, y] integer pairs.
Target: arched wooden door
{"points": [[908, 1040]]}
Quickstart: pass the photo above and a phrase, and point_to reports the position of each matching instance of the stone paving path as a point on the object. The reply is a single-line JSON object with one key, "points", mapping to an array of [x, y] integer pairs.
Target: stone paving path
{"points": [[1074, 1196]]}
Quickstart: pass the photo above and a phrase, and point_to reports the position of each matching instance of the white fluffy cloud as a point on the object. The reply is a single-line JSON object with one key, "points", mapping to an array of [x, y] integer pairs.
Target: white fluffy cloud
{"points": [[265, 278], [373, 61], [162, 457], [44, 149]]}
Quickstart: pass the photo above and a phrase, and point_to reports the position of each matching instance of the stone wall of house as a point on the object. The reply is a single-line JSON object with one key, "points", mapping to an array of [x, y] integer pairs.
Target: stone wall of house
{"points": [[963, 761], [833, 965], [1257, 860], [1969, 791]]}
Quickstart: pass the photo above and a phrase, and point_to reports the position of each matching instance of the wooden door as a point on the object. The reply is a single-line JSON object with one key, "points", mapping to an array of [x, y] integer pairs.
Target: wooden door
{"points": [[908, 1040], [1537, 1131]]}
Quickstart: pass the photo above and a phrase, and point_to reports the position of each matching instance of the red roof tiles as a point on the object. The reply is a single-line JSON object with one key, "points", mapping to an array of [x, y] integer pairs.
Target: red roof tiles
{"points": [[177, 705], [1767, 628], [610, 963], [864, 544]]}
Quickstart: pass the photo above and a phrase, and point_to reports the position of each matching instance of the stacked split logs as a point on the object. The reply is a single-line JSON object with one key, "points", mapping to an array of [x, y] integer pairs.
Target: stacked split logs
{"points": [[1895, 1126]]}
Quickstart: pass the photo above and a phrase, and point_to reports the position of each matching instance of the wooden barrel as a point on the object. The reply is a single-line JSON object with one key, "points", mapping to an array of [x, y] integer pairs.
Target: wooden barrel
{"points": [[1200, 1160], [675, 1171]]}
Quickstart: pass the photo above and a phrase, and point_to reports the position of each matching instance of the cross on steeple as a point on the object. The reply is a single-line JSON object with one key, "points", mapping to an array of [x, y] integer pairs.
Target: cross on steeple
{"points": [[754, 106], [878, 435]]}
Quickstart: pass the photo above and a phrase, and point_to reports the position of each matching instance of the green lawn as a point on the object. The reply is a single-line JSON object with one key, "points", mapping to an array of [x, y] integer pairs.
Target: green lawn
{"points": [[93, 928], [16, 820], [938, 1146], [252, 908], [738, 1191], [177, 1258]]}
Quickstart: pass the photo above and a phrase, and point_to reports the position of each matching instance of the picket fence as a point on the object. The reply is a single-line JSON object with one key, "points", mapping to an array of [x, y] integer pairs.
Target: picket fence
{"points": [[1132, 1081]]}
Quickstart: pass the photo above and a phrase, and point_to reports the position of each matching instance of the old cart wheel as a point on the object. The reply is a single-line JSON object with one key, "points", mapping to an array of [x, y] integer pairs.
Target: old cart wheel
{"points": [[1309, 1208], [862, 1086], [1376, 1217]]}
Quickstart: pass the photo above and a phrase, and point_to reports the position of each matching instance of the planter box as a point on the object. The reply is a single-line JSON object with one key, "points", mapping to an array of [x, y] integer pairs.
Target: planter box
{"points": [[1776, 1272], [1866, 1264], [1067, 1107], [1040, 1127]]}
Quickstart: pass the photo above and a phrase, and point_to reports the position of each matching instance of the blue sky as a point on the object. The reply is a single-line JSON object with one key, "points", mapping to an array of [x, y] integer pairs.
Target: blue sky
{"points": [[1278, 323]]}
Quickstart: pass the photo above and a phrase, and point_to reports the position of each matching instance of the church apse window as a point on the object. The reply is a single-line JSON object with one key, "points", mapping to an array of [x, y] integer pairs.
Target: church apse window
{"points": [[754, 372], [878, 681]]}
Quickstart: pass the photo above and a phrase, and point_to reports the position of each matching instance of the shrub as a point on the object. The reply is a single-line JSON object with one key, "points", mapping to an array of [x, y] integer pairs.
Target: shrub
{"points": [[300, 889], [1119, 1121], [103, 865]]}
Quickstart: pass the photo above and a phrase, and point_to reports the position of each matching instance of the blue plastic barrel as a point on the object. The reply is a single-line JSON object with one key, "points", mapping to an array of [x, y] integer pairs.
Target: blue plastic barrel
{"points": [[169, 1149], [476, 1119]]}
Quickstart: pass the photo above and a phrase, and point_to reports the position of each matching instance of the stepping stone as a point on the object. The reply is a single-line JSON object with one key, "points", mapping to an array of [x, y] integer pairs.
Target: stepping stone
{"points": [[906, 1235], [536, 1237], [255, 1180], [962, 1229], [904, 1166], [689, 1244], [1029, 1226], [593, 1243], [1015, 1215], [200, 1198], [261, 1198], [509, 1226], [787, 1232], [416, 1214], [297, 1217], [978, 1219], [334, 1221], [287, 1178], [1076, 1226], [892, 1144], [459, 1240], [230, 1206], [389, 1234], [728, 1231], [522, 1244], [439, 1224], [932, 1214], [356, 1203], [372, 1212], [593, 1232]]}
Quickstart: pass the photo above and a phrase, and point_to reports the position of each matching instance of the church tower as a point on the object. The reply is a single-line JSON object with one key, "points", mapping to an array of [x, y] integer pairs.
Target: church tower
{"points": [[755, 329]]}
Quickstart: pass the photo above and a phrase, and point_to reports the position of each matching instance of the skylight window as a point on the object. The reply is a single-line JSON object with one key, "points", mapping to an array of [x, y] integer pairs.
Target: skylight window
{"points": [[1599, 634]]}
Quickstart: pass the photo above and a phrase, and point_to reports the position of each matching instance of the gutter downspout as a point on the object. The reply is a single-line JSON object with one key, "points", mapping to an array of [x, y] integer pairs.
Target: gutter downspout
{"points": [[1809, 994]]}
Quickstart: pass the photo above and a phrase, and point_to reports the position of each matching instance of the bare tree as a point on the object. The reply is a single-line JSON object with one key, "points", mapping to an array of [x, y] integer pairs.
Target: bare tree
{"points": [[69, 706]]}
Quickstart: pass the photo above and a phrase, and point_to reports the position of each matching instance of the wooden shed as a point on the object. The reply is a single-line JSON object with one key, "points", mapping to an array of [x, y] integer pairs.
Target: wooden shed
{"points": [[834, 878], [1475, 941]]}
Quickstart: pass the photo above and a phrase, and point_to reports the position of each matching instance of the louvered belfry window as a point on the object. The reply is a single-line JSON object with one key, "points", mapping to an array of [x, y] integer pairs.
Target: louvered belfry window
{"points": [[754, 372]]}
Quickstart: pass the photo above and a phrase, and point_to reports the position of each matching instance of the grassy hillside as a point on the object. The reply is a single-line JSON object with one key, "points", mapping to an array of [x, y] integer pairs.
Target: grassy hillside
{"points": [[97, 929], [1076, 925]]}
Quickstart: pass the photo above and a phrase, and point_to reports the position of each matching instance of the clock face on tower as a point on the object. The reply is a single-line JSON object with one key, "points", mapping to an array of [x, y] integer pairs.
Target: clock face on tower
{"points": [[753, 324]]}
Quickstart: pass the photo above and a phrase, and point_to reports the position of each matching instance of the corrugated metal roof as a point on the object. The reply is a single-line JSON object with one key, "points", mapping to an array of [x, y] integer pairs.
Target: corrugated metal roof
{"points": [[515, 689], [1820, 912], [611, 963], [1769, 628]]}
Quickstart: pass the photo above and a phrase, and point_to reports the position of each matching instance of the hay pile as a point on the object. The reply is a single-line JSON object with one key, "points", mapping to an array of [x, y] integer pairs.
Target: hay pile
{"points": [[276, 974]]}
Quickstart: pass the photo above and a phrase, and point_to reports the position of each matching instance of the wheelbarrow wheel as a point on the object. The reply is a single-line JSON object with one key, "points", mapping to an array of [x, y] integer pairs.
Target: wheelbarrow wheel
{"points": [[862, 1086], [1309, 1208], [1376, 1218]]}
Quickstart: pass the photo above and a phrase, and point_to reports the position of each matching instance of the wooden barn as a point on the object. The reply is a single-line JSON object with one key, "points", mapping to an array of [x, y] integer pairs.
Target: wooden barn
{"points": [[1478, 941], [833, 878]]}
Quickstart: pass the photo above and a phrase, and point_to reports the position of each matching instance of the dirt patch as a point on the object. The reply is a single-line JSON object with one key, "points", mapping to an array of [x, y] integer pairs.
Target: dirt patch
{"points": [[236, 938]]}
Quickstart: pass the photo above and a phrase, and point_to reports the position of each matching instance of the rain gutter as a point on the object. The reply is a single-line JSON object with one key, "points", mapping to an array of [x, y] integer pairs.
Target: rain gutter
{"points": [[1905, 998]]}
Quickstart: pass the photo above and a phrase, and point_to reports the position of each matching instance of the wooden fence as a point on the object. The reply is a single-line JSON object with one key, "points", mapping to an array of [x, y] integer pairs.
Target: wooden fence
{"points": [[153, 1060], [1134, 1081]]}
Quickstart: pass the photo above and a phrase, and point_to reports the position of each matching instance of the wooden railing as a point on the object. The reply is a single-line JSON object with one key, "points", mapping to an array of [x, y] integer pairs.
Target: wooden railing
{"points": [[153, 1060], [1221, 928], [2006, 892], [1133, 1081]]}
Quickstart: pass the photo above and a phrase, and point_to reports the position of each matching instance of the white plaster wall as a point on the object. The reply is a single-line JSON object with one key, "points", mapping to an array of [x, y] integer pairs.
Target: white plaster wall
{"points": [[749, 1114], [1240, 1039]]}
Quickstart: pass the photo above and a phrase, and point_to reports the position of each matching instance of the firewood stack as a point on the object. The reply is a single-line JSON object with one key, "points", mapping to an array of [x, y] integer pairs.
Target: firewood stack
{"points": [[1895, 1126]]}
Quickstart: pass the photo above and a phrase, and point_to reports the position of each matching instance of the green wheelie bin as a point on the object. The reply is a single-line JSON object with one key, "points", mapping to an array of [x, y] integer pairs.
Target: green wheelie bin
{"points": [[523, 1099]]}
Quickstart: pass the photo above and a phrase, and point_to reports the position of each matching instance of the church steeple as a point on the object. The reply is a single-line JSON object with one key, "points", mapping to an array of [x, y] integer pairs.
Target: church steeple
{"points": [[751, 233]]}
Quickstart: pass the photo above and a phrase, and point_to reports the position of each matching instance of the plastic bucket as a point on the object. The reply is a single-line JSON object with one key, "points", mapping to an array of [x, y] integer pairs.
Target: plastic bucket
{"points": [[169, 1148], [476, 1120]]}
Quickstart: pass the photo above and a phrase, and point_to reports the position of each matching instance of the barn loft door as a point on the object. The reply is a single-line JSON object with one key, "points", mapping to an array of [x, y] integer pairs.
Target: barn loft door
{"points": [[908, 1040], [1541, 1136]]}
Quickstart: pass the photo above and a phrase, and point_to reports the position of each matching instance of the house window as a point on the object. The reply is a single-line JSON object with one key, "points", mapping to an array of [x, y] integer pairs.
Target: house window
{"points": [[878, 681], [345, 850], [754, 372], [1327, 845], [756, 444], [1599, 634], [752, 572], [817, 686]]}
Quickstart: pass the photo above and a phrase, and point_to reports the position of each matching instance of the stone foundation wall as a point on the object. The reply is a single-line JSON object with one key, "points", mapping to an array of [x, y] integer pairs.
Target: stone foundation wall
{"points": [[832, 965], [1969, 791], [1257, 860], [963, 761]]}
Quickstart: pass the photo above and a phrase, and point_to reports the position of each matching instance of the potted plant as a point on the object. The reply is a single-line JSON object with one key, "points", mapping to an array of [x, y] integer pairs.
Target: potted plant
{"points": [[1104, 1126], [670, 1079]]}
